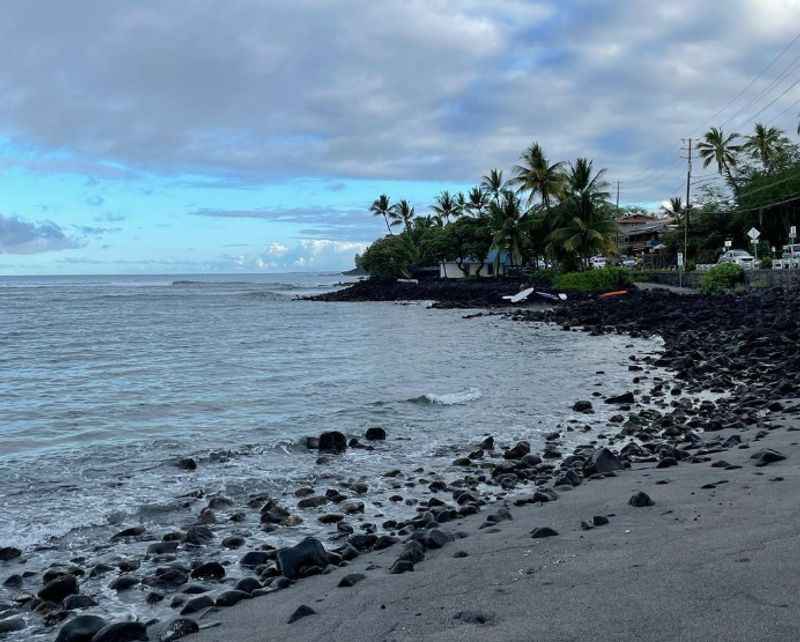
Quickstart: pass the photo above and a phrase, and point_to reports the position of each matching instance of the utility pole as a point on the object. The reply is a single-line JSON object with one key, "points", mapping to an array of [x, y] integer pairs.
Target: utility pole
{"points": [[686, 209], [618, 198]]}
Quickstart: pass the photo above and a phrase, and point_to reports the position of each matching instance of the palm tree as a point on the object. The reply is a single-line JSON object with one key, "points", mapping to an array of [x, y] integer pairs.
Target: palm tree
{"points": [[765, 144], [537, 176], [674, 208], [381, 206], [506, 214], [402, 212], [493, 183], [444, 207], [718, 148], [584, 225], [477, 202]]}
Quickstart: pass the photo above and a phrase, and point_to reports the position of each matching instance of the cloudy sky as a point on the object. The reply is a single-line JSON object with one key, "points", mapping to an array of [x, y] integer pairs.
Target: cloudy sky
{"points": [[252, 135]]}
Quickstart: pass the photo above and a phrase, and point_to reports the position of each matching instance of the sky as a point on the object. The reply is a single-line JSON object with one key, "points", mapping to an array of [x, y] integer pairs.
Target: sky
{"points": [[139, 136]]}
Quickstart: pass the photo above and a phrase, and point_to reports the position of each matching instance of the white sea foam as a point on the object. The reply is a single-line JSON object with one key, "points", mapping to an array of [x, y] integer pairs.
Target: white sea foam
{"points": [[452, 398]]}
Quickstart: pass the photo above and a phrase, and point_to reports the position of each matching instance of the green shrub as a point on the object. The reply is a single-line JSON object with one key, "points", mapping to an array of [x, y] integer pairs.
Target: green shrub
{"points": [[388, 258], [721, 277], [603, 280], [766, 263]]}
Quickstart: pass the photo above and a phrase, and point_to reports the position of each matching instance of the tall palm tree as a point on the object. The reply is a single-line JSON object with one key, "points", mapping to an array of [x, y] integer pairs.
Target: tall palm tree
{"points": [[718, 148], [477, 202], [764, 144], [537, 176], [461, 204], [403, 212], [506, 214], [584, 225], [382, 206], [444, 207], [493, 183]]}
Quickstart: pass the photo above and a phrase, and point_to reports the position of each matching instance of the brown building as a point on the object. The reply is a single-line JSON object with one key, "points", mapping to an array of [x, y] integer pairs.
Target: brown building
{"points": [[641, 233]]}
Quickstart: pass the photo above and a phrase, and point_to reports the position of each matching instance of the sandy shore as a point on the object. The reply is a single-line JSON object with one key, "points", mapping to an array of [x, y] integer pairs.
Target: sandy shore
{"points": [[701, 564]]}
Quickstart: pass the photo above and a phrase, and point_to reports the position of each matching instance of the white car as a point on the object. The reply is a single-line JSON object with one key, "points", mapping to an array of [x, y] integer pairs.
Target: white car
{"points": [[628, 262], [598, 262], [740, 258]]}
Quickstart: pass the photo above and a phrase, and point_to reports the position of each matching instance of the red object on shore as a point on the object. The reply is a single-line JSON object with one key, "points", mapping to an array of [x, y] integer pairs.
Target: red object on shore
{"points": [[610, 295]]}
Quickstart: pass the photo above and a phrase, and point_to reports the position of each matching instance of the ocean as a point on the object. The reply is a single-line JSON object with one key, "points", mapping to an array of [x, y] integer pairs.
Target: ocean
{"points": [[106, 380]]}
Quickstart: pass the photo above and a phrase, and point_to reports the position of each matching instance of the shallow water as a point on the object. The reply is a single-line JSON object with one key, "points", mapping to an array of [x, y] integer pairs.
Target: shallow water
{"points": [[104, 381]]}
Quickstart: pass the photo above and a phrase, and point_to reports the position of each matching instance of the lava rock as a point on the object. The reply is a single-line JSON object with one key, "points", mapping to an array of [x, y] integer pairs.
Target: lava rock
{"points": [[583, 406], [625, 398], [59, 588], [603, 461], [332, 441], [122, 632], [351, 580], [11, 624], [209, 571], [197, 604], [767, 456], [8, 553], [80, 629], [186, 463], [521, 449], [123, 583], [178, 629], [641, 499], [229, 598], [543, 531], [293, 560], [375, 433], [301, 612]]}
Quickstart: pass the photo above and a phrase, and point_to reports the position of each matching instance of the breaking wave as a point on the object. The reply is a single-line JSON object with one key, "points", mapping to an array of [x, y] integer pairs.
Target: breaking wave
{"points": [[449, 399]]}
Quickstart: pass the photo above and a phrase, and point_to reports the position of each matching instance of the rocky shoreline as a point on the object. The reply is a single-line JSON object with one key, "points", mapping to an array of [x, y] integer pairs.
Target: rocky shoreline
{"points": [[732, 358]]}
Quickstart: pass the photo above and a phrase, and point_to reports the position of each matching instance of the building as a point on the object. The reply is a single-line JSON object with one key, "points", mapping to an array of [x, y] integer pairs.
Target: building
{"points": [[640, 233], [491, 267]]}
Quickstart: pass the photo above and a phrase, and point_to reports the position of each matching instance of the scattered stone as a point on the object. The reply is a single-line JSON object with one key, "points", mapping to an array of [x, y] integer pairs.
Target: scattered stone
{"points": [[475, 617], [599, 520], [186, 463], [625, 398], [767, 456], [641, 499], [197, 604], [294, 560], [8, 553], [543, 531], [351, 580], [301, 612], [583, 406]]}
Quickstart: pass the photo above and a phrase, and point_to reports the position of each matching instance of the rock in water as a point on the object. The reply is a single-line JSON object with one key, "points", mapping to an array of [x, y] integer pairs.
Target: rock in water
{"points": [[521, 449], [122, 632], [293, 560], [583, 406], [301, 612], [9, 624], [641, 499], [626, 398], [80, 629], [376, 433], [8, 553], [178, 629], [74, 602], [332, 441], [209, 571], [59, 588]]}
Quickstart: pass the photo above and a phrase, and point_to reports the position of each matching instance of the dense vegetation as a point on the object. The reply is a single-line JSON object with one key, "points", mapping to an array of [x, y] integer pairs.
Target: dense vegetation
{"points": [[758, 186], [554, 214], [722, 277]]}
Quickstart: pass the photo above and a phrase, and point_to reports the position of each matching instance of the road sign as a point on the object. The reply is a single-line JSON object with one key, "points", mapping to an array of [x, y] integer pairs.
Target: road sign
{"points": [[680, 259], [728, 244], [793, 232], [753, 233]]}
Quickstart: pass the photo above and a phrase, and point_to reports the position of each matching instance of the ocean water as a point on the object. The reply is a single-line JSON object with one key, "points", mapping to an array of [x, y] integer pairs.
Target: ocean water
{"points": [[104, 381]]}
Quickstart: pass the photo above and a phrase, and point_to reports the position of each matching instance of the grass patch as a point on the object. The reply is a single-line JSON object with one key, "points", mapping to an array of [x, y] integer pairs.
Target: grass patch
{"points": [[592, 281]]}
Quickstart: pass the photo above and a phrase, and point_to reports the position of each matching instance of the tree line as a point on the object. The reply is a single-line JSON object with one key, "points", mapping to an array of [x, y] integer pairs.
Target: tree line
{"points": [[553, 213]]}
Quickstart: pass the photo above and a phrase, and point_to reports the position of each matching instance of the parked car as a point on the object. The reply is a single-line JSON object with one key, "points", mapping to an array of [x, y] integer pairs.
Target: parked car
{"points": [[598, 262], [739, 257], [790, 258], [628, 262]]}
